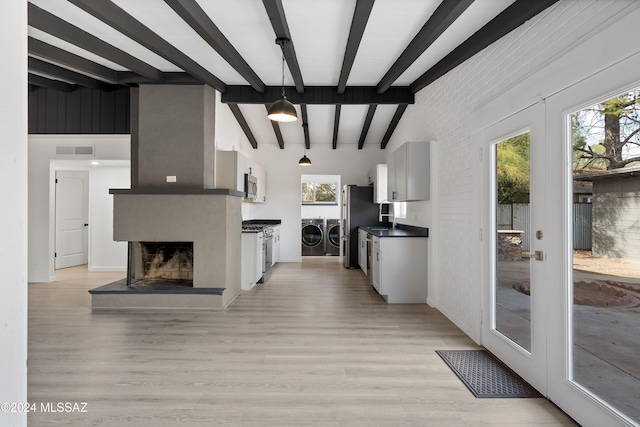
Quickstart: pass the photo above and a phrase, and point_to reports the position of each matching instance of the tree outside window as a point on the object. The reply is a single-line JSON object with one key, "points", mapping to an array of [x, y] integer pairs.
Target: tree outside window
{"points": [[319, 193]]}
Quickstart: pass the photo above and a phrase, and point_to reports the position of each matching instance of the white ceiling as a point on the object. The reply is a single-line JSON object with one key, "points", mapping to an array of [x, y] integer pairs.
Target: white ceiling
{"points": [[319, 32]]}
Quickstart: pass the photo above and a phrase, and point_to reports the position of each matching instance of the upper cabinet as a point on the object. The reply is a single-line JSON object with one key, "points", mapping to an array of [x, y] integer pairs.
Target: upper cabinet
{"points": [[231, 166], [261, 174], [408, 172], [378, 177]]}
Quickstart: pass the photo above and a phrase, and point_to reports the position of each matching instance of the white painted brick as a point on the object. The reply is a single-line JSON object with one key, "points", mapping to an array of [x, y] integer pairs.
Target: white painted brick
{"points": [[441, 112]]}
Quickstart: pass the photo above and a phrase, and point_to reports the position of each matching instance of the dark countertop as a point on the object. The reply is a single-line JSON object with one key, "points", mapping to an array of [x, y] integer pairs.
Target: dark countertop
{"points": [[401, 230], [266, 222], [178, 191]]}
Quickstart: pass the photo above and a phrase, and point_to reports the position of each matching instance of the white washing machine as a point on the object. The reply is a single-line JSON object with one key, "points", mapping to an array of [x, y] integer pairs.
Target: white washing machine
{"points": [[332, 238], [313, 237]]}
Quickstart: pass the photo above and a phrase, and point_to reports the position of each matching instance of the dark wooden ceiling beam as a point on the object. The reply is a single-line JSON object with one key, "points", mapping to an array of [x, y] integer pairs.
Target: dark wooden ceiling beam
{"points": [[49, 83], [392, 126], [367, 125], [235, 109], [51, 24], [46, 51], [119, 19], [275, 10], [320, 95], [276, 130], [191, 12], [358, 25], [336, 125], [305, 125], [43, 67], [169, 77], [440, 20], [509, 19]]}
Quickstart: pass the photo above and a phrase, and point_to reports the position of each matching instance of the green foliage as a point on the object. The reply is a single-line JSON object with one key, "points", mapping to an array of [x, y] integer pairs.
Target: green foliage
{"points": [[319, 193], [513, 167]]}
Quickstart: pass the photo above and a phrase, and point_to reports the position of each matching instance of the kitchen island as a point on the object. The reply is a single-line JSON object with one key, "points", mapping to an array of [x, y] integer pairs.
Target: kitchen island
{"points": [[397, 262]]}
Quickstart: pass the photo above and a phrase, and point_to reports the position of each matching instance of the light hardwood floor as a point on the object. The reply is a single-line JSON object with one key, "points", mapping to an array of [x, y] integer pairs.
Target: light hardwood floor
{"points": [[313, 346]]}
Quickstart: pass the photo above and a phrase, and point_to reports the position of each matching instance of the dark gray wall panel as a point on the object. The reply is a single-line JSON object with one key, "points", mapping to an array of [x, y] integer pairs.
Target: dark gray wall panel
{"points": [[81, 111]]}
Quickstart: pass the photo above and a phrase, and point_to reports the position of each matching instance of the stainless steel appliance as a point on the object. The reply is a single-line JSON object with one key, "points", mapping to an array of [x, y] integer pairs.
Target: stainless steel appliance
{"points": [[313, 237], [250, 187], [267, 245], [332, 237], [358, 210]]}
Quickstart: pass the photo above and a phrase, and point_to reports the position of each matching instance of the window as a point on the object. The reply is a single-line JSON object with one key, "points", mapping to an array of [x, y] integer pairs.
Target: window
{"points": [[319, 193], [399, 210]]}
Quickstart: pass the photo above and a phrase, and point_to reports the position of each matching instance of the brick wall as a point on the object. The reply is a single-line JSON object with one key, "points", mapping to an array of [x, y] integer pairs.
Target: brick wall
{"points": [[442, 112]]}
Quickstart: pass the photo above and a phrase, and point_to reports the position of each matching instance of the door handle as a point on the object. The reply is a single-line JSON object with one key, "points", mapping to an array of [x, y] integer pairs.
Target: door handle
{"points": [[86, 225], [537, 255]]}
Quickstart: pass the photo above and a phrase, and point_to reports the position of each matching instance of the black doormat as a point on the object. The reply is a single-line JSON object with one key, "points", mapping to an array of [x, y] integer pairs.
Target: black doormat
{"points": [[485, 375]]}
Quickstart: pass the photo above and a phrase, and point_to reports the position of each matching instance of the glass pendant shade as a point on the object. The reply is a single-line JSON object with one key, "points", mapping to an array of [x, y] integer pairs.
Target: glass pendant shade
{"points": [[282, 111]]}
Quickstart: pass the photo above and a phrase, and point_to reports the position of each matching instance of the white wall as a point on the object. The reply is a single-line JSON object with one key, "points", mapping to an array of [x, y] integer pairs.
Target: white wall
{"points": [[521, 68], [13, 215], [42, 165], [105, 254], [284, 174]]}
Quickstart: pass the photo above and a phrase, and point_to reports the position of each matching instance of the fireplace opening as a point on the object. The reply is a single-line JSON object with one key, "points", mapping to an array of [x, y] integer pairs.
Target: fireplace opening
{"points": [[156, 263]]}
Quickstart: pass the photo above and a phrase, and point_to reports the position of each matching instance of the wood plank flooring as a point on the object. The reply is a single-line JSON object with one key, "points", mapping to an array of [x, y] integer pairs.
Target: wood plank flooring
{"points": [[315, 346]]}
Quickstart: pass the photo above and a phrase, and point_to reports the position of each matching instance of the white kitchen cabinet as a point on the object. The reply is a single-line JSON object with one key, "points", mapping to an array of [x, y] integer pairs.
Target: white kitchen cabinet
{"points": [[408, 171], [261, 174], [230, 169], [231, 166], [399, 268], [276, 245], [362, 250], [252, 259], [375, 263], [378, 177]]}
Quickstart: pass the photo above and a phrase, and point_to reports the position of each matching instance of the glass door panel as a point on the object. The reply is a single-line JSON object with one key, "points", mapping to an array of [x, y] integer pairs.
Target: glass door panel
{"points": [[513, 274], [606, 251]]}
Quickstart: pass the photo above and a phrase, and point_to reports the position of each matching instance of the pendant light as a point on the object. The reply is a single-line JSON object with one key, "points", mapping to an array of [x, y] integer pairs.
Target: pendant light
{"points": [[282, 110], [304, 161]]}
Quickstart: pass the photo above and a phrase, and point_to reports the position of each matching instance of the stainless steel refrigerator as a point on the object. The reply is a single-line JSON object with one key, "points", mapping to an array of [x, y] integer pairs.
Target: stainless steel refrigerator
{"points": [[358, 210]]}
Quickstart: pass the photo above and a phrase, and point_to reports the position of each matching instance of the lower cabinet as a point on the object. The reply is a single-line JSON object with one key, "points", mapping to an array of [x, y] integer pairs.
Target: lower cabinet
{"points": [[399, 268], [252, 259], [276, 245], [362, 250]]}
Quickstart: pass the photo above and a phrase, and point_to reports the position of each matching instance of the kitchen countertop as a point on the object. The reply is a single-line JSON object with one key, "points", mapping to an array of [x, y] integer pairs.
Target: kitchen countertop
{"points": [[400, 231], [265, 222]]}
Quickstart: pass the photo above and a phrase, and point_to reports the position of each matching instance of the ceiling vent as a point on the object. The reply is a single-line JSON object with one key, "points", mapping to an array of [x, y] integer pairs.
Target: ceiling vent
{"points": [[70, 150]]}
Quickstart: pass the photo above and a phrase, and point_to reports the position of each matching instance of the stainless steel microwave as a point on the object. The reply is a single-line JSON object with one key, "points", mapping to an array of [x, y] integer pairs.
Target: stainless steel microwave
{"points": [[250, 187]]}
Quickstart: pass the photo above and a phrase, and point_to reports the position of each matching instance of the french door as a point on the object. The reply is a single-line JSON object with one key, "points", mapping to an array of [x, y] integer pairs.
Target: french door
{"points": [[514, 239], [583, 358]]}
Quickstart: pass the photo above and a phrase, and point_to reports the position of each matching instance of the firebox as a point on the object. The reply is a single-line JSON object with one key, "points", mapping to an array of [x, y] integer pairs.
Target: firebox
{"points": [[156, 263]]}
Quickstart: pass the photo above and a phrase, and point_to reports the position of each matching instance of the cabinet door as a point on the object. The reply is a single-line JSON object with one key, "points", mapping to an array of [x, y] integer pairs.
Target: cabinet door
{"points": [[376, 265], [276, 245], [259, 257], [261, 175], [391, 177], [362, 250], [401, 172]]}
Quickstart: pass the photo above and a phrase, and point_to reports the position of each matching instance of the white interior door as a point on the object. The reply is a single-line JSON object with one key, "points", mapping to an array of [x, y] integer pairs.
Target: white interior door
{"points": [[72, 212], [514, 293]]}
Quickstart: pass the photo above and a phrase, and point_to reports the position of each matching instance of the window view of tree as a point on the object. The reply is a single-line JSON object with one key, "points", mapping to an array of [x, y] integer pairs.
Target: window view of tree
{"points": [[513, 169], [607, 135], [307, 192], [319, 193]]}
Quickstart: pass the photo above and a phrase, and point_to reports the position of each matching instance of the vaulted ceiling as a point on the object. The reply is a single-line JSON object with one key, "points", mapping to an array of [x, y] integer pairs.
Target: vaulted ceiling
{"points": [[353, 66]]}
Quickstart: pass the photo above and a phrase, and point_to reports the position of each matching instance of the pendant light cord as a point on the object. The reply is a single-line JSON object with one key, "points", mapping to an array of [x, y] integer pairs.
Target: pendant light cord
{"points": [[282, 49]]}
